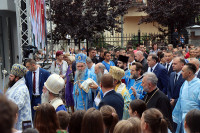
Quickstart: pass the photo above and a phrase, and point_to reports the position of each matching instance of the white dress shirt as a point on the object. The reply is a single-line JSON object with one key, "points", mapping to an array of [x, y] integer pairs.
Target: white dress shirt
{"points": [[169, 65], [149, 68]]}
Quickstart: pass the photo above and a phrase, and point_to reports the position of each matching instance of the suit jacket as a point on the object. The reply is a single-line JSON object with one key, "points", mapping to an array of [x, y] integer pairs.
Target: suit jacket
{"points": [[170, 69], [115, 100], [198, 75], [43, 75], [174, 89], [163, 78], [144, 64]]}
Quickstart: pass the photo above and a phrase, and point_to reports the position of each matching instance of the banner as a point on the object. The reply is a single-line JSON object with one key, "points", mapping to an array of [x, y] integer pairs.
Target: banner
{"points": [[38, 23]]}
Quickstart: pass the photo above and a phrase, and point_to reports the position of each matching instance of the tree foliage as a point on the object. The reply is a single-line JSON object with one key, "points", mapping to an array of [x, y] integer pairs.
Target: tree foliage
{"points": [[171, 13], [84, 18]]}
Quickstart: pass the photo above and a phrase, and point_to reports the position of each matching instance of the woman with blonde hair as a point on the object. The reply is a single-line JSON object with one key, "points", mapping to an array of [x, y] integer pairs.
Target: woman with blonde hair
{"points": [[152, 121], [69, 84], [136, 124], [110, 118], [65, 57], [124, 126]]}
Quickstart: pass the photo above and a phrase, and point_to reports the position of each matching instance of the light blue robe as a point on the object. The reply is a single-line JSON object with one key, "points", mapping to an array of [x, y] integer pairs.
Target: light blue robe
{"points": [[127, 76], [189, 98], [108, 65], [139, 89], [86, 100], [19, 94], [92, 68]]}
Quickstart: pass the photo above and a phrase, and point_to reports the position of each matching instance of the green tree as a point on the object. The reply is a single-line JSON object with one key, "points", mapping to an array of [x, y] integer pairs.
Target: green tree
{"points": [[170, 13], [82, 19]]}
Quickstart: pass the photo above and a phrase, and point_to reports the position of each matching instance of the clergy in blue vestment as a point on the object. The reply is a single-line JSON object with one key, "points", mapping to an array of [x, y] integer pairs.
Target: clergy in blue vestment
{"points": [[122, 63], [83, 100], [135, 88], [90, 64], [189, 97], [107, 63], [19, 94]]}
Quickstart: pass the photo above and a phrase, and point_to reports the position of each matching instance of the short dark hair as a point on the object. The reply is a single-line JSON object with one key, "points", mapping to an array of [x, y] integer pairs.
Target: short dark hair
{"points": [[191, 67], [182, 60], [107, 81], [131, 53], [63, 118], [138, 67], [160, 55], [106, 53], [90, 49], [154, 57], [139, 106], [192, 120], [31, 61]]}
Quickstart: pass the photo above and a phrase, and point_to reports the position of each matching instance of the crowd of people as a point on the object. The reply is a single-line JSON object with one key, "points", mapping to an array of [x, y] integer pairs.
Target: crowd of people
{"points": [[120, 91]]}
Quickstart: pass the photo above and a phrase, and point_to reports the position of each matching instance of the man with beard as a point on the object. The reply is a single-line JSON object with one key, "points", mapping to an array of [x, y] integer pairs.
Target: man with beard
{"points": [[122, 63], [155, 98], [82, 99], [100, 70], [134, 86], [51, 89], [117, 74], [189, 96], [18, 93]]}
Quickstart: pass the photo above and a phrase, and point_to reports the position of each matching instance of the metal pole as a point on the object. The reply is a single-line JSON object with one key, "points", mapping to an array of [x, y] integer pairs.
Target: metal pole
{"points": [[51, 27], [139, 36], [122, 30]]}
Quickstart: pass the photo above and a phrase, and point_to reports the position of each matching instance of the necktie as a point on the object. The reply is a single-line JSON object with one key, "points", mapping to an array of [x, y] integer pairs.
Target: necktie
{"points": [[176, 78], [151, 69], [34, 83], [167, 67]]}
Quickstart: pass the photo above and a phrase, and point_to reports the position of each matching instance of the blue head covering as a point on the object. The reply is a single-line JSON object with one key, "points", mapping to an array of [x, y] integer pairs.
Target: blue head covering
{"points": [[80, 58]]}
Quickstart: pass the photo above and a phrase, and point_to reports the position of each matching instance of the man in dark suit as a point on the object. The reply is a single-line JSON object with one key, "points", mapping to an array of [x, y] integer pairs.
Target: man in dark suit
{"points": [[176, 80], [110, 97], [35, 79], [168, 65], [160, 71], [196, 62]]}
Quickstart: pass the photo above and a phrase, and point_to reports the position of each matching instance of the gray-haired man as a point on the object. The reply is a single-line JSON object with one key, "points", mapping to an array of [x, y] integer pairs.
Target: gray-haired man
{"points": [[154, 97]]}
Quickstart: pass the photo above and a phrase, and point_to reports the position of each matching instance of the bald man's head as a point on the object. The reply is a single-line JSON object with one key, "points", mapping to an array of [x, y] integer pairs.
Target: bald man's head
{"points": [[139, 56], [99, 67]]}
